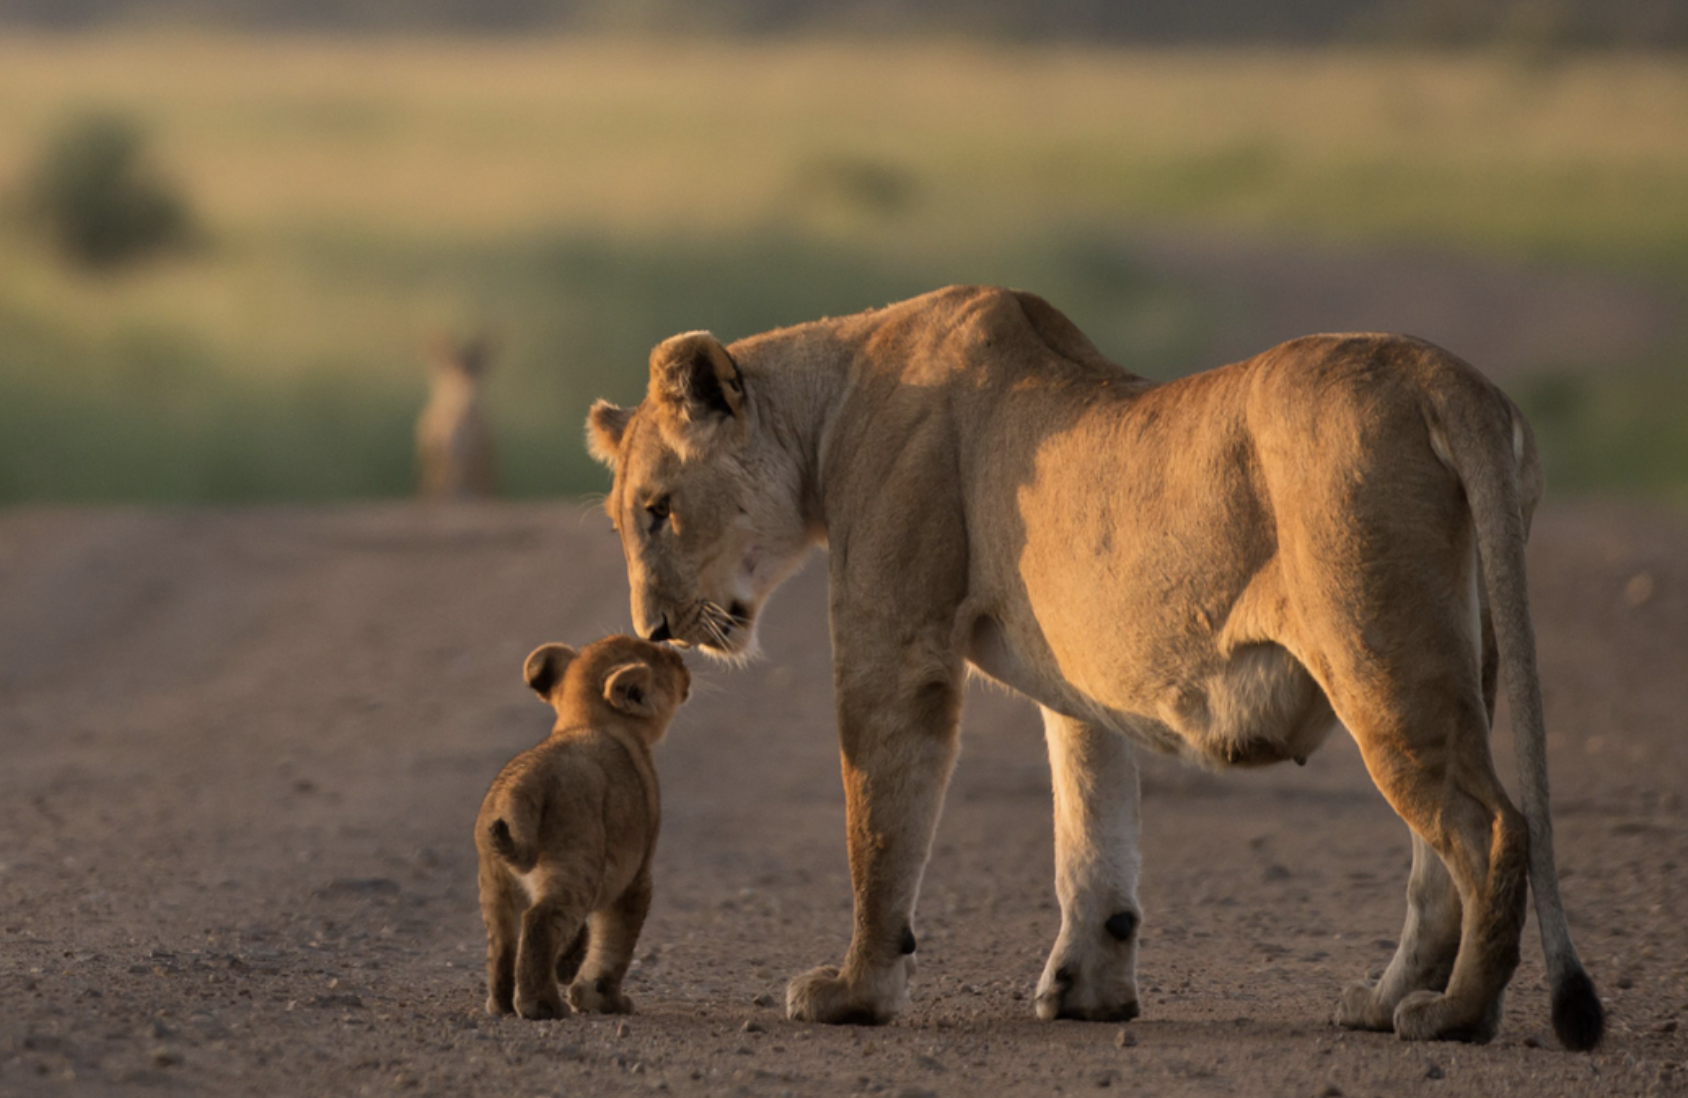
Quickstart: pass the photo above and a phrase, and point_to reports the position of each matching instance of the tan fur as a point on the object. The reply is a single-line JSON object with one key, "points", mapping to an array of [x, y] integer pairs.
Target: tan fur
{"points": [[454, 450], [566, 833], [1223, 568]]}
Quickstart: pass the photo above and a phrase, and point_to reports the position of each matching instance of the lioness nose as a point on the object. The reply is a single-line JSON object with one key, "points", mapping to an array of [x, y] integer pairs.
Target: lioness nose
{"points": [[660, 633]]}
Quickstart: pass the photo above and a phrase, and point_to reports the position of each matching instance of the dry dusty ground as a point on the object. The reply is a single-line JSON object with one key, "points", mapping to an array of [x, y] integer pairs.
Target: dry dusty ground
{"points": [[240, 754]]}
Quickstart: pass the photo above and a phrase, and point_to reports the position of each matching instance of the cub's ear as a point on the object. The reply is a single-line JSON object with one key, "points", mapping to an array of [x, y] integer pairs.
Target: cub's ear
{"points": [[628, 689], [697, 383], [605, 424], [545, 666]]}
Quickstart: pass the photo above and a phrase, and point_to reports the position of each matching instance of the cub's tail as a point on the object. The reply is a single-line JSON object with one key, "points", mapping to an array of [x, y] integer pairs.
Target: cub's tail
{"points": [[512, 834], [1488, 444]]}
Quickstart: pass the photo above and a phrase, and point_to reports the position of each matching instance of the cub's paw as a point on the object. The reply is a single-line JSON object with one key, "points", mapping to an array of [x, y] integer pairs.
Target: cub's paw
{"points": [[1359, 1008], [598, 997], [1433, 1016], [823, 995], [496, 1005], [540, 1007]]}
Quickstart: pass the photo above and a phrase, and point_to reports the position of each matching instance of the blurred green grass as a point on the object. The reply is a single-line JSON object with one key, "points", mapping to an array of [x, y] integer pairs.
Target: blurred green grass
{"points": [[580, 200]]}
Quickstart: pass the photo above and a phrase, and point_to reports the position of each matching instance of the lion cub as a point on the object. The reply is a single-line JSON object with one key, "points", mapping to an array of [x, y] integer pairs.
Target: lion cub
{"points": [[566, 832]]}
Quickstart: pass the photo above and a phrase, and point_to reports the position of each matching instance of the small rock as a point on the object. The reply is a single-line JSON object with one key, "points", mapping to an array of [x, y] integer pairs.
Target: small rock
{"points": [[359, 886], [751, 1026], [405, 1081], [1666, 1026], [1125, 1038], [1107, 1079], [338, 999], [916, 1092], [1625, 982], [165, 1057], [1639, 590], [1275, 872], [1331, 1091], [763, 1000], [1532, 1041], [1434, 1071], [622, 1029]]}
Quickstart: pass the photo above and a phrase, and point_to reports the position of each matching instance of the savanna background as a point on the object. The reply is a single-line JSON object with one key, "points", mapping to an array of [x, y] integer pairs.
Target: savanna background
{"points": [[1191, 182], [251, 693]]}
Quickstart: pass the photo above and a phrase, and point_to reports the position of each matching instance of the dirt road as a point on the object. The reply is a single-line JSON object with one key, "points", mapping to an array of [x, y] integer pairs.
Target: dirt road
{"points": [[241, 751]]}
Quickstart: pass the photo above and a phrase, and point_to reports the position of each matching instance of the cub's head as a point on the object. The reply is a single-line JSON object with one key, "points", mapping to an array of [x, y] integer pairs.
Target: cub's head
{"points": [[706, 499], [629, 677]]}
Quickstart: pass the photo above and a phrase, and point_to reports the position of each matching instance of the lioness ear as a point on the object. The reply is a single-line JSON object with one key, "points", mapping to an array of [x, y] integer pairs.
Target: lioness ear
{"points": [[545, 666], [628, 688], [695, 378], [605, 424]]}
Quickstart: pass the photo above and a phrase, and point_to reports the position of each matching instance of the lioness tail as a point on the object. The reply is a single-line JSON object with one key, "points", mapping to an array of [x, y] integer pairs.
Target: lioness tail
{"points": [[1487, 443]]}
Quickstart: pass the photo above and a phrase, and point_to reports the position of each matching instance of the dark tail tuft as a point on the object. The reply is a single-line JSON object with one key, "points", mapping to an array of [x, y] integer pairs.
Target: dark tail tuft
{"points": [[505, 843], [1578, 1019]]}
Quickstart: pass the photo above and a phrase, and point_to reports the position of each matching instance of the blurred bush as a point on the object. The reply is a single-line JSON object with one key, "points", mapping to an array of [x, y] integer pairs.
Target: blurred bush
{"points": [[99, 199]]}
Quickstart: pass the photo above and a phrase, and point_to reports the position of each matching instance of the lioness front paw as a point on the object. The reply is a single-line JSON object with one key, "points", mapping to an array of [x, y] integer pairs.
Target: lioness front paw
{"points": [[823, 995], [1359, 1008], [1091, 985], [1433, 1016], [598, 997]]}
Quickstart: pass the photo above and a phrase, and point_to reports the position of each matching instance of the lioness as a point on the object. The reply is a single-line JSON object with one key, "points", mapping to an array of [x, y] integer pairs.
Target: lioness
{"points": [[566, 832], [1224, 568]]}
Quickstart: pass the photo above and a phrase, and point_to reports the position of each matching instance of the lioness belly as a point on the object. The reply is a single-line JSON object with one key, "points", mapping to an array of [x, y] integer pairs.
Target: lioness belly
{"points": [[1255, 706], [1260, 706]]}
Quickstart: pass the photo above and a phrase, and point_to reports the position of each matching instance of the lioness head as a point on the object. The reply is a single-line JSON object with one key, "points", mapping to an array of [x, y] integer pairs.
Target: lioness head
{"points": [[705, 504], [634, 678]]}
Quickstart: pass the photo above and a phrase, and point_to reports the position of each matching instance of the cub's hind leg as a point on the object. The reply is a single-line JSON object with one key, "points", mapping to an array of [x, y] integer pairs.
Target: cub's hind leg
{"points": [[500, 911], [554, 919], [569, 960], [1091, 973], [614, 933]]}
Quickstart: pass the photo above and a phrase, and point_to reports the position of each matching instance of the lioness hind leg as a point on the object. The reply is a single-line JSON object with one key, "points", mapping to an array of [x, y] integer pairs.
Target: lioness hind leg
{"points": [[1446, 789], [1430, 938], [1092, 971], [1425, 957]]}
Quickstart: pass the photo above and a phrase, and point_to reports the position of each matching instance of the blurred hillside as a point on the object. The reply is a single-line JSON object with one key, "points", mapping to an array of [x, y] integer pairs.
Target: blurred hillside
{"points": [[354, 198], [1651, 23]]}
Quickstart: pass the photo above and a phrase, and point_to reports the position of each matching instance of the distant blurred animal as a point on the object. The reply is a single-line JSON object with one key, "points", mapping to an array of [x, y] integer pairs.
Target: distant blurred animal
{"points": [[568, 829], [454, 449]]}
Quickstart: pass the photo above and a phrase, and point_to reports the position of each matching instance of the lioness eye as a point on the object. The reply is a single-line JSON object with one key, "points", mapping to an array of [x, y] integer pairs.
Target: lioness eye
{"points": [[658, 510]]}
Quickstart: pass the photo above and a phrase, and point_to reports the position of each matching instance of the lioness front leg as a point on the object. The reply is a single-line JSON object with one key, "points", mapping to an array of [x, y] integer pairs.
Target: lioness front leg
{"points": [[1092, 971], [898, 744]]}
